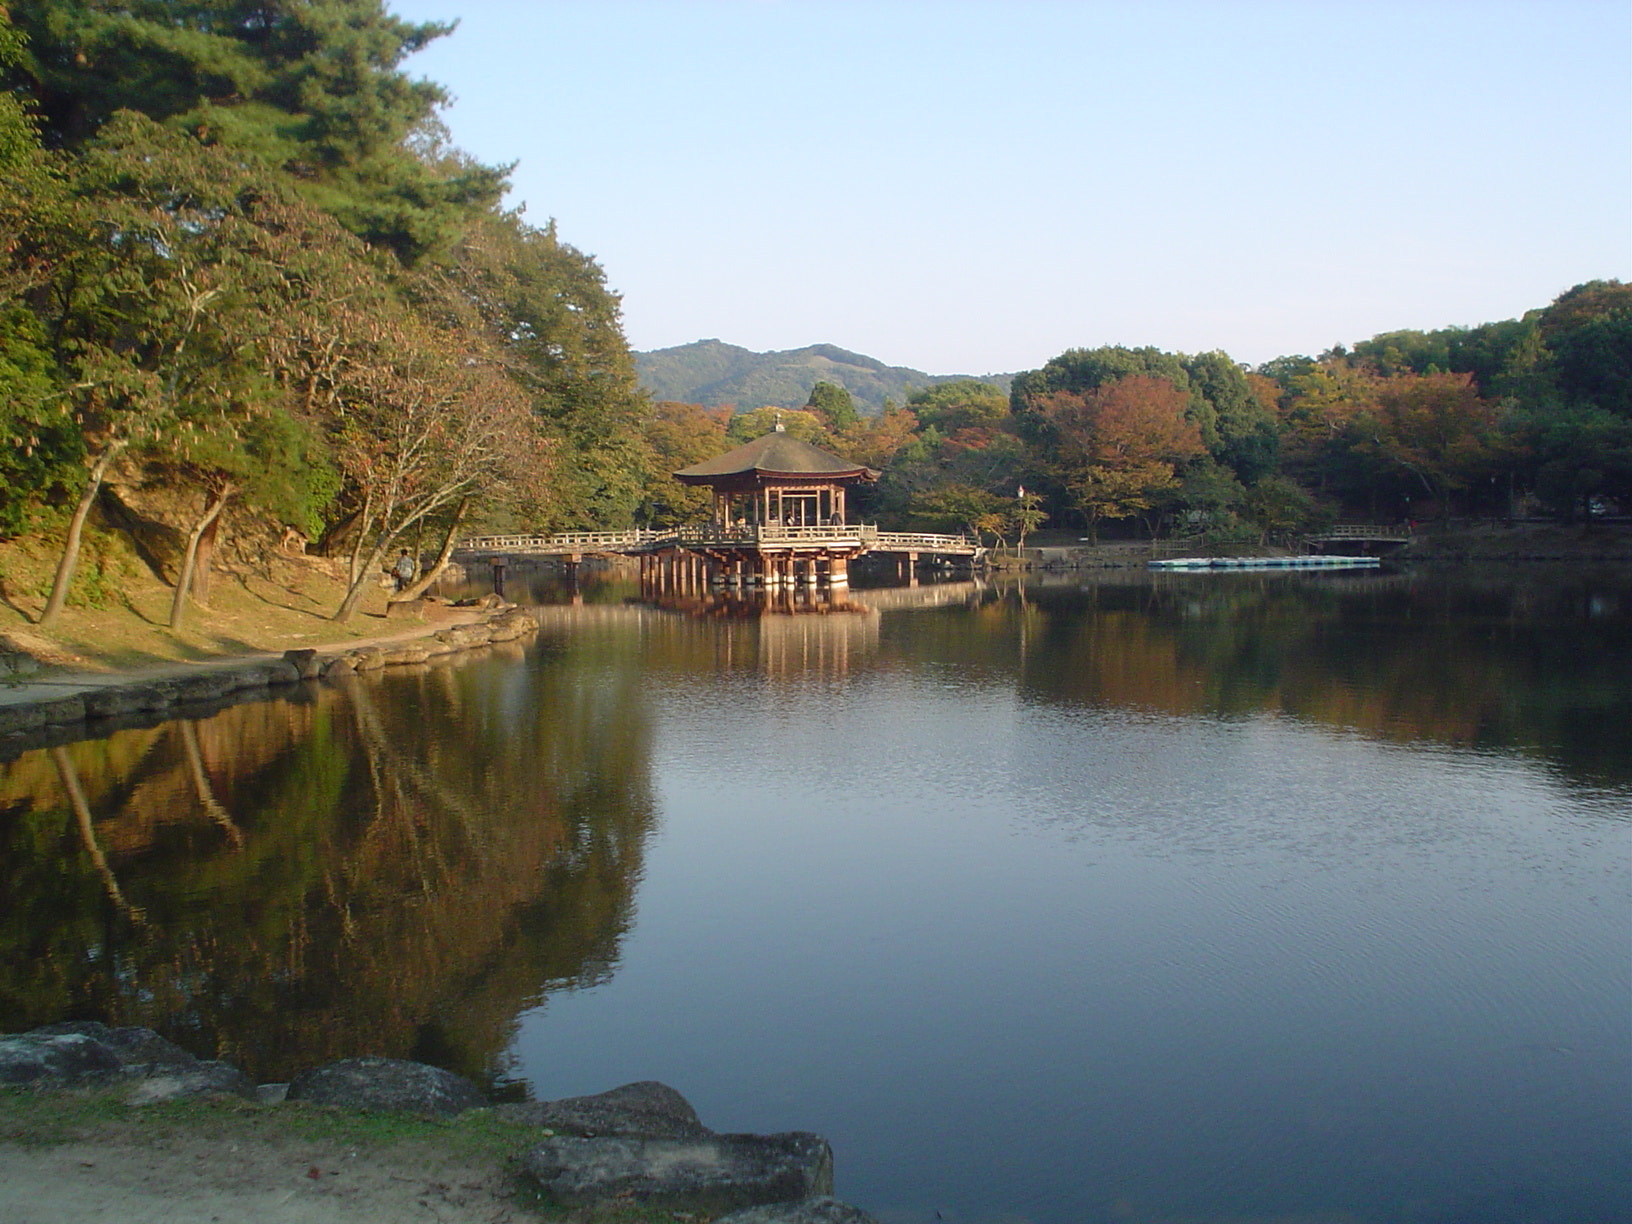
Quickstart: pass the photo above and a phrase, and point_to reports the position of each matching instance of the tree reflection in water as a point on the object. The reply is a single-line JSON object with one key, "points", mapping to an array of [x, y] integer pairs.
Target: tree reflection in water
{"points": [[407, 864], [398, 867]]}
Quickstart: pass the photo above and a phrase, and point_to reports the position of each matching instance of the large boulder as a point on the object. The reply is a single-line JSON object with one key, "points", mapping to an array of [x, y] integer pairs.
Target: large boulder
{"points": [[129, 699], [644, 1110], [465, 637], [807, 1211], [82, 1052], [32, 715], [387, 1084], [55, 1059], [172, 1082], [708, 1173]]}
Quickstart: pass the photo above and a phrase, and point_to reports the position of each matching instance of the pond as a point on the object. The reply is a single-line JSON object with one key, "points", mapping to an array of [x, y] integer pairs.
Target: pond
{"points": [[1109, 899]]}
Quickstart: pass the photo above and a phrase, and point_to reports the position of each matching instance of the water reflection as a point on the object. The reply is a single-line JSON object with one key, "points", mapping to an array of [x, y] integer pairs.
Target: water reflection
{"points": [[1110, 898], [1538, 666], [397, 867]]}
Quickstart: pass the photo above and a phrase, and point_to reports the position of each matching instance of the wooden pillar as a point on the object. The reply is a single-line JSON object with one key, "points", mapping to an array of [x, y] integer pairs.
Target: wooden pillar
{"points": [[838, 572]]}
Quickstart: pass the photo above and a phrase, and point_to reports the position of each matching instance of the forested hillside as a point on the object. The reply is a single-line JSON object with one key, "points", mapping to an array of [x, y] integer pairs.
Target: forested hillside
{"points": [[712, 373], [248, 289], [1520, 418]]}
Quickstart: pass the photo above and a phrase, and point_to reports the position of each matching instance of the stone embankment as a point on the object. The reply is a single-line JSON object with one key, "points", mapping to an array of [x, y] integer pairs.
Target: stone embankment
{"points": [[42, 705], [641, 1144]]}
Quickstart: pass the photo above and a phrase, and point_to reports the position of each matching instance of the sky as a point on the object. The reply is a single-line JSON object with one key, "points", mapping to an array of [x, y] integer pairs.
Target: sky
{"points": [[974, 186]]}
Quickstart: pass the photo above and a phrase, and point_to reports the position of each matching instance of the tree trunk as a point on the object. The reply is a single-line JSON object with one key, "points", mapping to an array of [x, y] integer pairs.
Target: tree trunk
{"points": [[434, 570], [365, 518], [76, 530], [370, 571], [206, 555], [189, 561]]}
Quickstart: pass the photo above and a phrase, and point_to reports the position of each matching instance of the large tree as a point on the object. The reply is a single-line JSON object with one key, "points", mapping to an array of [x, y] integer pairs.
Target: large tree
{"points": [[168, 267], [314, 87], [1120, 444], [545, 307]]}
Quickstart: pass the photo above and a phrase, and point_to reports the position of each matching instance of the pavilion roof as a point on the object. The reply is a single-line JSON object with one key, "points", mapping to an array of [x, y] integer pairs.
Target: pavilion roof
{"points": [[775, 454]]}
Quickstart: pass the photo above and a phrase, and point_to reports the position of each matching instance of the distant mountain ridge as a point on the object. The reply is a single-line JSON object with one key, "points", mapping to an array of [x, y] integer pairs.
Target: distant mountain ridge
{"points": [[712, 372]]}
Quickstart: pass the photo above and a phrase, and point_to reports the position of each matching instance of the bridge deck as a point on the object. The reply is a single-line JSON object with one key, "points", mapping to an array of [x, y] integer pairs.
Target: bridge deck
{"points": [[860, 537], [1361, 531]]}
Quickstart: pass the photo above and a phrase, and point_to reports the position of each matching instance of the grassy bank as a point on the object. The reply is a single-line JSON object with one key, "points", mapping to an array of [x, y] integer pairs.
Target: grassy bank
{"points": [[118, 615], [88, 1157]]}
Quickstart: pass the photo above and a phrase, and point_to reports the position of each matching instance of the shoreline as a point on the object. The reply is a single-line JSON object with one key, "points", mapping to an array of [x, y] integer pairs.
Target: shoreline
{"points": [[50, 708]]}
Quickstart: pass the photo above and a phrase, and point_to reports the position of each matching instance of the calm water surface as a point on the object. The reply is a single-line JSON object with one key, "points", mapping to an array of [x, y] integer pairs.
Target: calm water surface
{"points": [[1194, 898]]}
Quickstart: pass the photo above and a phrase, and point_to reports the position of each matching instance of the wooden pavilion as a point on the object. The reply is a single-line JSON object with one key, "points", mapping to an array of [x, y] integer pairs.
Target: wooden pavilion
{"points": [[779, 517], [777, 480]]}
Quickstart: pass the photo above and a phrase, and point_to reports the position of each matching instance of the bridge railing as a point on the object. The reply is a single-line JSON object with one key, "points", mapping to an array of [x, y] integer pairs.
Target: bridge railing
{"points": [[564, 541], [1361, 531], [849, 535], [922, 541]]}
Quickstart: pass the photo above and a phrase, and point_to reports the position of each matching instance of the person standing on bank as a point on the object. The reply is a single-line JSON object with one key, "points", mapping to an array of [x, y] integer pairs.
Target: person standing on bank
{"points": [[404, 570]]}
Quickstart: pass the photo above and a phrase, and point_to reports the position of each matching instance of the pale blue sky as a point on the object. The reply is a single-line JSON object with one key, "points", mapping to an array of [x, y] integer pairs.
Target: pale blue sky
{"points": [[974, 187]]}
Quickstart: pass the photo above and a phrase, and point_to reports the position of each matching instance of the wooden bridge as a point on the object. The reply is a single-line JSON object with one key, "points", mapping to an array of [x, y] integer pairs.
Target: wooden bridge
{"points": [[1358, 533], [698, 556], [646, 540]]}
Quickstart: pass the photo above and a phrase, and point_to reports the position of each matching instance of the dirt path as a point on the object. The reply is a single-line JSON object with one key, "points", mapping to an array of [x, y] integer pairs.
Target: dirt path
{"points": [[199, 1179]]}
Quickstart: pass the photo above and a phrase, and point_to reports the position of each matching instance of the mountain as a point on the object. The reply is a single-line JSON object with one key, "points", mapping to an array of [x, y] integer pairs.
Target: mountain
{"points": [[713, 372]]}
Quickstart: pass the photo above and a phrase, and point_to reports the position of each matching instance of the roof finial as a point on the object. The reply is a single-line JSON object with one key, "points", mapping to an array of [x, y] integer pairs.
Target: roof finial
{"points": [[778, 428]]}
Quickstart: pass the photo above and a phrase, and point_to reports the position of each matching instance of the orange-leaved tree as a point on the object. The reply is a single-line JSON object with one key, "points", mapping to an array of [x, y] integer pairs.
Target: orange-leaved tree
{"points": [[1119, 445]]}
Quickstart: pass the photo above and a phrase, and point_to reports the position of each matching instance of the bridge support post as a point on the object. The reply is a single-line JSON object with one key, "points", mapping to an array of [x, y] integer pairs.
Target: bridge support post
{"points": [[838, 572]]}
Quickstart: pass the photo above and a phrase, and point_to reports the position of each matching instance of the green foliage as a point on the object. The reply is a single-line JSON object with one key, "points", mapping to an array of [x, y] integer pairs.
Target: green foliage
{"points": [[314, 88], [963, 403], [958, 507], [39, 445], [1588, 334], [1572, 455], [1248, 435], [806, 426], [833, 404], [545, 305]]}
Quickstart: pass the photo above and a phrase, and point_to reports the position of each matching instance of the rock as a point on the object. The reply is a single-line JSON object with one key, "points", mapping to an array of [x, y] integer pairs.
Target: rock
{"points": [[401, 655], [129, 699], [510, 625], [341, 665], [387, 1084], [280, 671], [808, 1211], [247, 676], [272, 1094], [645, 1110], [304, 662], [209, 685], [55, 1059], [163, 1070], [174, 1083], [464, 637], [143, 1048], [26, 716], [706, 1173], [368, 658]]}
